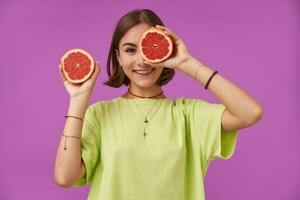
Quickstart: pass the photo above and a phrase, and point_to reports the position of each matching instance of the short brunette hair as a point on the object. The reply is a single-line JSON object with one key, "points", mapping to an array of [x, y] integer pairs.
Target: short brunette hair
{"points": [[116, 75]]}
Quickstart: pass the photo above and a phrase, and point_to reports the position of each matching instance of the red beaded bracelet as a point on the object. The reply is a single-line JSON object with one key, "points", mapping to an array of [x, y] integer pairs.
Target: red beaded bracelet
{"points": [[66, 116]]}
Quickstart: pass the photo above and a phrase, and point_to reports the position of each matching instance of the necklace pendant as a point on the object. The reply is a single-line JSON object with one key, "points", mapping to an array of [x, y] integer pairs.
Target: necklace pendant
{"points": [[146, 121]]}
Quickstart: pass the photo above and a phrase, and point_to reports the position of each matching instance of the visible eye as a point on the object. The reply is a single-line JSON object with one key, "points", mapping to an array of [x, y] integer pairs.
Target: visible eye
{"points": [[130, 50]]}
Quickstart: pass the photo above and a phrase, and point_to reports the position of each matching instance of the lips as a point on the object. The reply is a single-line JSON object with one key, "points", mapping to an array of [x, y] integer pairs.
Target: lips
{"points": [[143, 71], [148, 69]]}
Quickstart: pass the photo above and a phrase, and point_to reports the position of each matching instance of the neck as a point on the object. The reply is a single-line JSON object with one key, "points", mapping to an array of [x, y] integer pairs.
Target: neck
{"points": [[144, 92]]}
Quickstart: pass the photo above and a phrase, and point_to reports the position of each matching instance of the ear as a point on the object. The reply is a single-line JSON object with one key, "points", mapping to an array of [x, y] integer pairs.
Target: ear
{"points": [[117, 52], [118, 56]]}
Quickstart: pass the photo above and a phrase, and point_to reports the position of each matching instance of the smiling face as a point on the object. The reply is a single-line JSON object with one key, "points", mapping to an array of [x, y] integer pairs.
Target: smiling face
{"points": [[132, 62]]}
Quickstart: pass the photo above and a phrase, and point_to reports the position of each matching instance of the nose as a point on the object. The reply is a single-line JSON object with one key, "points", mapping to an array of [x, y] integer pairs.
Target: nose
{"points": [[141, 60]]}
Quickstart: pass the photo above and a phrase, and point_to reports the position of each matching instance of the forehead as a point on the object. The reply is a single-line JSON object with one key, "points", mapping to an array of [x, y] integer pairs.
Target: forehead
{"points": [[134, 34]]}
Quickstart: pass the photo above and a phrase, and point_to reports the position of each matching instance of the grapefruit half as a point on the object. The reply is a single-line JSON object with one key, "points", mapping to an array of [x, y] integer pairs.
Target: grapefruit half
{"points": [[77, 65], [155, 46]]}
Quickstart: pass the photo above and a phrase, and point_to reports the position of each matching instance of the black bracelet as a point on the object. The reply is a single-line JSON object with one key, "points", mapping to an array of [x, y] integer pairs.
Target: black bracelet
{"points": [[207, 83]]}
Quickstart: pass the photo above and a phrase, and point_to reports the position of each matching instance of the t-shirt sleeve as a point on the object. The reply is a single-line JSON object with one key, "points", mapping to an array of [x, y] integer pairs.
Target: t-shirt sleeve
{"points": [[206, 121], [90, 146]]}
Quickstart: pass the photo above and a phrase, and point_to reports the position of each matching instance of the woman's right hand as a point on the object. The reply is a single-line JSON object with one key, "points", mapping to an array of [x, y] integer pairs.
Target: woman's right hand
{"points": [[84, 89]]}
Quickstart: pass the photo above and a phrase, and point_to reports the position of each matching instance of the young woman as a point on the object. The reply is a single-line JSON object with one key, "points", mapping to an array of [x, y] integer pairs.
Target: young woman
{"points": [[142, 144]]}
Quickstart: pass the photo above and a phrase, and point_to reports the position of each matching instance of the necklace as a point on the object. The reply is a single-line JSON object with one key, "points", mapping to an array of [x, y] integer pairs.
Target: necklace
{"points": [[145, 120], [145, 97]]}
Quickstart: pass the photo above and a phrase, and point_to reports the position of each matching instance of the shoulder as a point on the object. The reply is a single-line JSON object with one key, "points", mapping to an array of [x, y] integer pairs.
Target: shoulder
{"points": [[192, 105], [187, 102], [102, 103], [102, 107], [97, 107]]}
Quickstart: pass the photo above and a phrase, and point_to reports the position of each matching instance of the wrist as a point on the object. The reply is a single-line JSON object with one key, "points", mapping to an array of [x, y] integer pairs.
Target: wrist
{"points": [[80, 99], [191, 66], [188, 59], [78, 106]]}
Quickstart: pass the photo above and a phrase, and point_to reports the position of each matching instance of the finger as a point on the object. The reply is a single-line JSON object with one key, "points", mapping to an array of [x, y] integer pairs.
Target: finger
{"points": [[171, 34], [160, 27], [168, 32], [97, 70], [62, 74]]}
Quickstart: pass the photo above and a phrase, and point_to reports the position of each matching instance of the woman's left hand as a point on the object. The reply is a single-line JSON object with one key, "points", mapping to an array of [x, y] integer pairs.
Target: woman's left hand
{"points": [[179, 55]]}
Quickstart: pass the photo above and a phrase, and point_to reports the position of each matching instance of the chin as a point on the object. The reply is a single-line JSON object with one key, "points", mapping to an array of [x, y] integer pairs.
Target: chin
{"points": [[144, 83]]}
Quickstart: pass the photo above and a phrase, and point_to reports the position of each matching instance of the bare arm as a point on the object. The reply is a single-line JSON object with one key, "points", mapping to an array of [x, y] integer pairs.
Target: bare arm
{"points": [[241, 109], [69, 166]]}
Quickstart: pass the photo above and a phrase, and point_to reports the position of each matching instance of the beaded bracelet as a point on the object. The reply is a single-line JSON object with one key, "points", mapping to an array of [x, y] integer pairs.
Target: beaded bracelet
{"points": [[74, 117], [66, 137]]}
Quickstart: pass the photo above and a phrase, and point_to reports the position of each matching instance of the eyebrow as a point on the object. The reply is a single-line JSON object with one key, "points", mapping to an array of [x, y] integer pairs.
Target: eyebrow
{"points": [[128, 43]]}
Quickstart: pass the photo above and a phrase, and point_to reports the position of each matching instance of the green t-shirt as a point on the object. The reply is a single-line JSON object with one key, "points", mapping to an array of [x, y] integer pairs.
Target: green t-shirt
{"points": [[169, 163]]}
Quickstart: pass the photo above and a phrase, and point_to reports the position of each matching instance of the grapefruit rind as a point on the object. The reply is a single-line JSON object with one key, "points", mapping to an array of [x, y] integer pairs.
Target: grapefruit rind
{"points": [[75, 79]]}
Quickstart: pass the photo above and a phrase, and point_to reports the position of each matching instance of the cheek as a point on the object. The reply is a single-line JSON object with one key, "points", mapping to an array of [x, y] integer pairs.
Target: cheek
{"points": [[127, 60], [127, 65]]}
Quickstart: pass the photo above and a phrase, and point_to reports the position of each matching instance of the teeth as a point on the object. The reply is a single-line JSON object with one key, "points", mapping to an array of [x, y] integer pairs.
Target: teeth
{"points": [[149, 70], [143, 71]]}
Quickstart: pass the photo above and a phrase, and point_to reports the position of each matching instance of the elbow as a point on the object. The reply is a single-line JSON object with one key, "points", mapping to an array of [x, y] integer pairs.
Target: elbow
{"points": [[255, 117], [259, 114], [68, 178], [61, 181]]}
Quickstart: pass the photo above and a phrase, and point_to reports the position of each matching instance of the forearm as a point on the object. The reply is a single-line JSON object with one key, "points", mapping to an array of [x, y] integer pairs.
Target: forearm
{"points": [[236, 101], [68, 161]]}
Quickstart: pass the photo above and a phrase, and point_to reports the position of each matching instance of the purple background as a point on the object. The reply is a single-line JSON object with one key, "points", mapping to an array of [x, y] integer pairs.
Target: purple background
{"points": [[254, 44]]}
